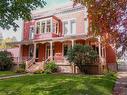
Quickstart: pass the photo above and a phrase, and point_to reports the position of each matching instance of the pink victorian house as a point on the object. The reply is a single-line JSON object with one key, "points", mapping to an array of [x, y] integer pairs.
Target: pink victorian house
{"points": [[51, 33]]}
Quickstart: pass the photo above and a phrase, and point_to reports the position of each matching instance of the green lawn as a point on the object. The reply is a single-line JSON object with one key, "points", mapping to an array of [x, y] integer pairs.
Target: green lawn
{"points": [[58, 85], [6, 73]]}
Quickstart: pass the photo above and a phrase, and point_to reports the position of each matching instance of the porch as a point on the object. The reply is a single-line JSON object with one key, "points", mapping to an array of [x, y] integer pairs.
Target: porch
{"points": [[56, 49]]}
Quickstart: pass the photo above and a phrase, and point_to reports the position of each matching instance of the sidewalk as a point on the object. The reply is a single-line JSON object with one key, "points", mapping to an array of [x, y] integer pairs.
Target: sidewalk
{"points": [[121, 84], [13, 76]]}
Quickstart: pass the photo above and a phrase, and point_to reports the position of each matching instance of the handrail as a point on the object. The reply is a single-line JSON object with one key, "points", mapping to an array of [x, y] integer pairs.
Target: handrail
{"points": [[29, 63], [47, 60]]}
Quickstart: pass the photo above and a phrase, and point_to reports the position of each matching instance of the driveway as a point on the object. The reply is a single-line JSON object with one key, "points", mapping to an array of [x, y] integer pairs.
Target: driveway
{"points": [[121, 84]]}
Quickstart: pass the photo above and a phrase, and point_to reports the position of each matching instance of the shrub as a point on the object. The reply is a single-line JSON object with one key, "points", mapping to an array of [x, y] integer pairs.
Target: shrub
{"points": [[50, 67], [82, 55], [23, 65], [20, 70], [39, 72], [110, 74], [6, 60]]}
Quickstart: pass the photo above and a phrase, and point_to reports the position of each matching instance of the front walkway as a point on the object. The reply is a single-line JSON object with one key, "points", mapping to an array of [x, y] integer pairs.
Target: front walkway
{"points": [[121, 84], [13, 76]]}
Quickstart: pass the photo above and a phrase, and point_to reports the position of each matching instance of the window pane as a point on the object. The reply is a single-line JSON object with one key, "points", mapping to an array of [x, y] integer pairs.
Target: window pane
{"points": [[48, 26], [38, 27], [43, 27], [31, 32], [65, 28], [54, 27], [73, 27]]}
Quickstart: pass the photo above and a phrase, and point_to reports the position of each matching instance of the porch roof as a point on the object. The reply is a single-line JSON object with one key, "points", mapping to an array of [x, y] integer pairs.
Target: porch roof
{"points": [[66, 38], [57, 39]]}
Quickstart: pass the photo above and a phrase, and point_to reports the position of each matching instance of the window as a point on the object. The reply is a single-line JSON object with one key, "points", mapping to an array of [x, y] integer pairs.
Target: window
{"points": [[54, 27], [73, 26], [65, 50], [66, 28], [31, 51], [31, 32], [57, 28], [69, 27], [43, 27]]}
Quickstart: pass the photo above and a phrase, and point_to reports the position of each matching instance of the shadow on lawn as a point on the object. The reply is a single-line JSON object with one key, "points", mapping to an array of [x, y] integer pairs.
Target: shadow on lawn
{"points": [[58, 85]]}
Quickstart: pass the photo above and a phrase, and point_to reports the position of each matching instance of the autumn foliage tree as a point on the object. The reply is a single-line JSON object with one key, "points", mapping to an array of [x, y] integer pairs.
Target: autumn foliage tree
{"points": [[108, 16]]}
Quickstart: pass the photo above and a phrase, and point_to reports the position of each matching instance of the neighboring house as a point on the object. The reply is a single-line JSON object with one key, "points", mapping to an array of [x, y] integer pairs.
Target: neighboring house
{"points": [[51, 33], [15, 53]]}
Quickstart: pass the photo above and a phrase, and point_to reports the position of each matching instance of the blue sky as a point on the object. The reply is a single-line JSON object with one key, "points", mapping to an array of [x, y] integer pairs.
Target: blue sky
{"points": [[18, 34]]}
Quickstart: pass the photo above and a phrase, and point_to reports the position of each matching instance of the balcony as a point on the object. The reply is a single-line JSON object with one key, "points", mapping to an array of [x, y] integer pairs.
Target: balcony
{"points": [[49, 35]]}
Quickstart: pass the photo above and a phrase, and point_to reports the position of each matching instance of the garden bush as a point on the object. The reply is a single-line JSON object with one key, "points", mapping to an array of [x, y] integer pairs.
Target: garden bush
{"points": [[6, 60], [39, 72], [50, 67], [20, 70], [22, 65]]}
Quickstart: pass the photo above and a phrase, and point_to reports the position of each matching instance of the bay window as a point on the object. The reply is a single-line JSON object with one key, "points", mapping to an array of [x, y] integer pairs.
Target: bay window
{"points": [[44, 26]]}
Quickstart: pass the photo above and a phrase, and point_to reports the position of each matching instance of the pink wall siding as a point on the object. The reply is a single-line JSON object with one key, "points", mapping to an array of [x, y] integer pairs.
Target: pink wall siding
{"points": [[26, 29], [79, 16], [14, 51]]}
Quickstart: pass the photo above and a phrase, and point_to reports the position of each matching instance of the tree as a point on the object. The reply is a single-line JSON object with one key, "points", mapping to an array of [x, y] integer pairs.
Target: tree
{"points": [[4, 43], [82, 55], [11, 10], [108, 16], [6, 60]]}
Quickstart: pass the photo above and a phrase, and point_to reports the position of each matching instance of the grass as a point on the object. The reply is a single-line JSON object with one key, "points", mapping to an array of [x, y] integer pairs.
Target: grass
{"points": [[6, 73], [58, 85]]}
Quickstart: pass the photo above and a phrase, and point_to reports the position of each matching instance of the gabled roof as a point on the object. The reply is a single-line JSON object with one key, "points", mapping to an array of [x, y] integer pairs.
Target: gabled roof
{"points": [[59, 10]]}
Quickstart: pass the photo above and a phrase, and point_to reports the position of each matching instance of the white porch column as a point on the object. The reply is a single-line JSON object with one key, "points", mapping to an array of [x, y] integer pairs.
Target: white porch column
{"points": [[103, 52], [35, 46], [19, 59], [20, 53], [45, 26], [99, 45], [51, 50], [72, 43], [51, 25]]}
